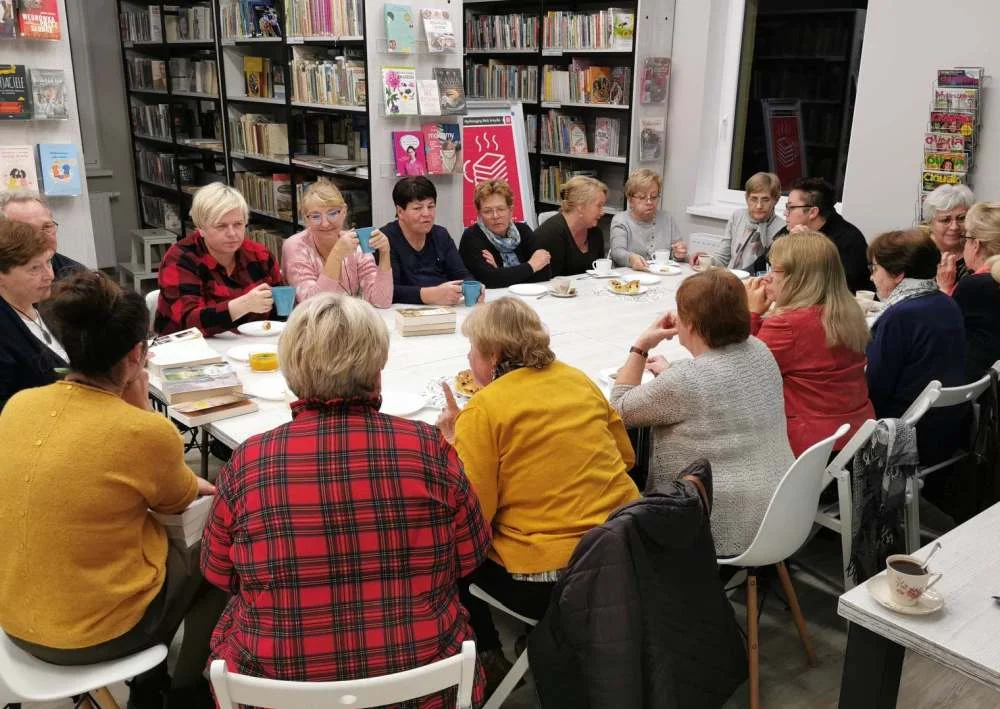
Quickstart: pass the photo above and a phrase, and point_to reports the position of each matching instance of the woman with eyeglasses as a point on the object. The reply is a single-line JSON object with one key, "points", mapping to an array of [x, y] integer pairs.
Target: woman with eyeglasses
{"points": [[944, 214], [324, 257], [29, 353], [643, 228], [497, 250]]}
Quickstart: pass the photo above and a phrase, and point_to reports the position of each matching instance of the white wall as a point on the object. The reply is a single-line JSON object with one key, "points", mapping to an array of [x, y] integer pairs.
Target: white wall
{"points": [[898, 66]]}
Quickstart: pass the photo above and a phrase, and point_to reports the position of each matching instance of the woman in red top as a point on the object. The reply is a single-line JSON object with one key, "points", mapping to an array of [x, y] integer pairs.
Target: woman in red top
{"points": [[817, 333]]}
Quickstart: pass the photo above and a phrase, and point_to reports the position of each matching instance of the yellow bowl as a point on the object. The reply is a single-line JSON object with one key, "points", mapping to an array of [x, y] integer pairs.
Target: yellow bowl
{"points": [[263, 361]]}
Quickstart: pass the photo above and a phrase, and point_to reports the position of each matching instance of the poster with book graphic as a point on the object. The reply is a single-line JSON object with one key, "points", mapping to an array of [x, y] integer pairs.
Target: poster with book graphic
{"points": [[437, 27], [17, 168], [451, 90], [39, 19], [408, 152], [400, 36], [60, 166], [489, 154], [8, 19], [443, 147], [15, 98], [399, 90], [48, 91]]}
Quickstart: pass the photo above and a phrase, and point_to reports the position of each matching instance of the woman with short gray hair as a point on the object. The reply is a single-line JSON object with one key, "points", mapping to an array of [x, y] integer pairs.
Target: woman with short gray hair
{"points": [[944, 212]]}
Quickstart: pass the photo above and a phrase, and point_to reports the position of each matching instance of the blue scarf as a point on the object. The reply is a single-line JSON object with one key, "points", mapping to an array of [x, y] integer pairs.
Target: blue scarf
{"points": [[506, 245]]}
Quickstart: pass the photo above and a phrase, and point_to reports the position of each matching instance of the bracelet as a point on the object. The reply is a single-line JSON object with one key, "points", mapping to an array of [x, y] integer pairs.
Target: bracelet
{"points": [[642, 353]]}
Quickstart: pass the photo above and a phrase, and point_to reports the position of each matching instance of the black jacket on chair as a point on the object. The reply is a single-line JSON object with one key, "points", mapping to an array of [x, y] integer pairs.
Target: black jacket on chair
{"points": [[25, 361], [640, 619]]}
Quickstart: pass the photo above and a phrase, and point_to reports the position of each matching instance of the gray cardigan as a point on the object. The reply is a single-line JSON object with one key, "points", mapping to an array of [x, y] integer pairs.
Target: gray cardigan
{"points": [[727, 406], [630, 236], [737, 231]]}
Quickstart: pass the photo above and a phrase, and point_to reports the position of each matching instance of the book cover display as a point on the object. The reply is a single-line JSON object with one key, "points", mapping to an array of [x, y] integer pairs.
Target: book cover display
{"points": [[48, 91], [655, 80], [17, 167], [437, 27], [8, 19], [427, 93], [408, 152], [60, 166], [15, 98], [399, 90], [443, 146], [451, 90], [399, 31], [39, 19], [652, 136]]}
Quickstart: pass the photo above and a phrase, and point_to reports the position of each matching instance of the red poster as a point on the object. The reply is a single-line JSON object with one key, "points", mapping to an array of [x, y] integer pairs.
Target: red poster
{"points": [[488, 143], [787, 159]]}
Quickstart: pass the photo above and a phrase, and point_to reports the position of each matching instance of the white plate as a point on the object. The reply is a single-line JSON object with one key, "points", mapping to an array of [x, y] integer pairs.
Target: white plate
{"points": [[528, 288], [930, 602], [640, 291], [646, 279], [595, 274], [241, 353], [256, 329], [572, 294], [739, 273], [270, 388], [607, 375], [401, 403], [226, 335], [665, 269]]}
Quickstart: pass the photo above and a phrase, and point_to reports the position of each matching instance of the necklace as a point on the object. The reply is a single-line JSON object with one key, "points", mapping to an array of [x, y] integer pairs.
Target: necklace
{"points": [[37, 322]]}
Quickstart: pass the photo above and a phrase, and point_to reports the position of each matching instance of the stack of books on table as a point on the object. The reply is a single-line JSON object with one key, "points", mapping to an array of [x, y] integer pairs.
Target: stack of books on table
{"points": [[185, 348], [425, 321], [203, 411], [198, 382], [185, 528]]}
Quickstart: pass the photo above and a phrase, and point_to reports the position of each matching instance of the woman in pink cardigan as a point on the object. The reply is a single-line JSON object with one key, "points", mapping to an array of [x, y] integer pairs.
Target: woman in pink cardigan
{"points": [[325, 259]]}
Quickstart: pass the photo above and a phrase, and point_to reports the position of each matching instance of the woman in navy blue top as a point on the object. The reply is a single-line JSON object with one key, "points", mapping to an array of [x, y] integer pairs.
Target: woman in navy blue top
{"points": [[919, 337]]}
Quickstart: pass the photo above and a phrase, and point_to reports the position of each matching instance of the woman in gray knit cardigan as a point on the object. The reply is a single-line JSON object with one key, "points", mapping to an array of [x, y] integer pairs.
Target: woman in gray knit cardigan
{"points": [[725, 404]]}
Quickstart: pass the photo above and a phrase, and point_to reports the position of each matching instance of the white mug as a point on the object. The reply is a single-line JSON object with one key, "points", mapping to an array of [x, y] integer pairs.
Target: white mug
{"points": [[661, 256], [563, 285], [602, 266], [907, 587]]}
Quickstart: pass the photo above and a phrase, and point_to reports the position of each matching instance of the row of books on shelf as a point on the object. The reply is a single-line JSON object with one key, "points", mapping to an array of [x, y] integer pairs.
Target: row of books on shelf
{"points": [[583, 82], [613, 28], [263, 78], [553, 175], [249, 18], [197, 75], [156, 167], [331, 142], [152, 120], [40, 94], [442, 95], [160, 212], [953, 129], [146, 23], [517, 30], [50, 168], [570, 134], [400, 29], [259, 135], [337, 81], [436, 149], [497, 80], [37, 19], [267, 193], [325, 18]]}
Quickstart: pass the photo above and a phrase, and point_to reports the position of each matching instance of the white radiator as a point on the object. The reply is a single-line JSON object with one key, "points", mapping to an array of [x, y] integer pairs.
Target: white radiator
{"points": [[104, 228]]}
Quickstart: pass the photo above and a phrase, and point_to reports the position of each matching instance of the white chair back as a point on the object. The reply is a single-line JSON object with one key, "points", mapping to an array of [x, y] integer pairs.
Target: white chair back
{"points": [[924, 401], [707, 243], [953, 396], [790, 514], [544, 216], [232, 689], [152, 300]]}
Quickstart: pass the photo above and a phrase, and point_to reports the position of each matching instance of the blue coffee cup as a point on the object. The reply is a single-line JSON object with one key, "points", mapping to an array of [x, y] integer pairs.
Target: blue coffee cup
{"points": [[471, 291], [284, 299], [364, 233]]}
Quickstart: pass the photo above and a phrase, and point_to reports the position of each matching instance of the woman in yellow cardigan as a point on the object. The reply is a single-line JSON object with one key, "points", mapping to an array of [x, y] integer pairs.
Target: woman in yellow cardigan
{"points": [[86, 573], [547, 456]]}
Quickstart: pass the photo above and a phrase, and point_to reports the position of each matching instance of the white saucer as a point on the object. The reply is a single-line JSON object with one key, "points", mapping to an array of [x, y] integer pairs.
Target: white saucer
{"points": [[639, 291], [595, 274], [241, 353], [256, 329], [930, 602], [665, 269], [740, 273], [401, 403], [572, 294], [645, 279], [528, 288], [270, 388], [607, 375]]}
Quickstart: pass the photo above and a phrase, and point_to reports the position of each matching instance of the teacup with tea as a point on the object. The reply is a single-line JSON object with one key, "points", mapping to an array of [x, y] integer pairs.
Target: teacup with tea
{"points": [[908, 579]]}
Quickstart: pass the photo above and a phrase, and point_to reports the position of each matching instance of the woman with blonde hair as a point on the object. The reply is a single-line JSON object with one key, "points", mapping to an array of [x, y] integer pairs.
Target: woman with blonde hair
{"points": [[944, 213], [644, 228], [817, 334], [324, 257], [548, 458], [572, 237], [215, 278], [978, 295]]}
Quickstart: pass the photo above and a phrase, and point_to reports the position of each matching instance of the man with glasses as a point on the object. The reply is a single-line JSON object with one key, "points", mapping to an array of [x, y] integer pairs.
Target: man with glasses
{"points": [[31, 208], [810, 208]]}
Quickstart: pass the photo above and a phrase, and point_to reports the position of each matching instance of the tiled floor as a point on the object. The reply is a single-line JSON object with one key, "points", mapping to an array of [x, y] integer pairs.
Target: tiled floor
{"points": [[785, 679]]}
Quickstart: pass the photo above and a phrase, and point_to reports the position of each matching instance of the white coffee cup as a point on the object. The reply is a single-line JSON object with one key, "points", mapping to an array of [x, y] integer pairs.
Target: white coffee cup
{"points": [[865, 295], [906, 582], [704, 263], [661, 256], [602, 266], [563, 285]]}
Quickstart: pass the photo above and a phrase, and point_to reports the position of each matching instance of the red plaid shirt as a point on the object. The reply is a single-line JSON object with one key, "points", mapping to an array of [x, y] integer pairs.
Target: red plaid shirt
{"points": [[195, 290], [342, 536]]}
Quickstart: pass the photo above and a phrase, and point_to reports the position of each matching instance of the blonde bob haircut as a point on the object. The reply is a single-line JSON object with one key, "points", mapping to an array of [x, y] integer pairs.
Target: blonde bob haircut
{"points": [[763, 182], [321, 194], [213, 201], [488, 188], [333, 347], [511, 331], [580, 190], [642, 180], [982, 223], [814, 275]]}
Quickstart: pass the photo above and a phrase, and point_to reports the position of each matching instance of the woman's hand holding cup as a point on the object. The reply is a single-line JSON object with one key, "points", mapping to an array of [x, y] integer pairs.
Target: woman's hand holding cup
{"points": [[346, 245]]}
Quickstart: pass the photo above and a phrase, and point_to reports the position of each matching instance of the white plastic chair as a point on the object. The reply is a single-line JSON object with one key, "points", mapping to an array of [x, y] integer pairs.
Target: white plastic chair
{"points": [[25, 678], [509, 683], [152, 299], [703, 243], [545, 215], [233, 689], [785, 527]]}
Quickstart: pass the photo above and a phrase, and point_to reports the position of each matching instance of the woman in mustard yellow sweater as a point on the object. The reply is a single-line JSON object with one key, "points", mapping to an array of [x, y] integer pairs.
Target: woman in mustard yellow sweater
{"points": [[87, 576], [547, 456]]}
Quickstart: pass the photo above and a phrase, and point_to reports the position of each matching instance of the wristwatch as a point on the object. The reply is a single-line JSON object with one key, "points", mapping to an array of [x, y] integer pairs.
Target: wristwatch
{"points": [[642, 353]]}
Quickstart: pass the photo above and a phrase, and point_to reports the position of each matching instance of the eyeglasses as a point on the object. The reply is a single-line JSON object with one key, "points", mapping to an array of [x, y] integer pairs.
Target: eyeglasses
{"points": [[872, 267], [646, 197], [760, 201], [790, 207], [50, 227], [495, 211], [317, 217]]}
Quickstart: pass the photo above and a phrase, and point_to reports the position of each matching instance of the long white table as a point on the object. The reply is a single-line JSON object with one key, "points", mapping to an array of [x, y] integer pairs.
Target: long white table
{"points": [[962, 635], [592, 331]]}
